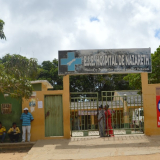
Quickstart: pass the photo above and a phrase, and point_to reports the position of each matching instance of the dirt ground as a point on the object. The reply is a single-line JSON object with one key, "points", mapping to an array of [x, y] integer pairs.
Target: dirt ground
{"points": [[12, 156], [19, 156]]}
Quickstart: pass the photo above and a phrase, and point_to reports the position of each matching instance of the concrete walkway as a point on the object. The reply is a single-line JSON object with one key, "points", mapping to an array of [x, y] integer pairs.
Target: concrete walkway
{"points": [[94, 147]]}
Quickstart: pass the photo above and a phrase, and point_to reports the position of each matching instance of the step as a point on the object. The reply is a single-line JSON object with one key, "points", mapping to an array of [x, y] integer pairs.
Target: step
{"points": [[16, 147]]}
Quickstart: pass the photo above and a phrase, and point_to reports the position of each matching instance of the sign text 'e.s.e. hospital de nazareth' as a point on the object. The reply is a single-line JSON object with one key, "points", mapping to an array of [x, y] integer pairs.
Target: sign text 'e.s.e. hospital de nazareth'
{"points": [[107, 61]]}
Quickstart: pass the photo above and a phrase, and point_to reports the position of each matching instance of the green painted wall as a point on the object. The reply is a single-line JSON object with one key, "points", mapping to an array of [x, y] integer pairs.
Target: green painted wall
{"points": [[8, 119], [37, 87]]}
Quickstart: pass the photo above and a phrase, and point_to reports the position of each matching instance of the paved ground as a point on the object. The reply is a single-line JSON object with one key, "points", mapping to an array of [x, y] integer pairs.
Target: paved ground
{"points": [[19, 156], [138, 157], [119, 147], [12, 156]]}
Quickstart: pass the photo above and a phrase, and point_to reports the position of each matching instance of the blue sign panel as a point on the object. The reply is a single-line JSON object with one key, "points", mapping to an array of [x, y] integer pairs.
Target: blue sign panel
{"points": [[71, 61], [107, 61]]}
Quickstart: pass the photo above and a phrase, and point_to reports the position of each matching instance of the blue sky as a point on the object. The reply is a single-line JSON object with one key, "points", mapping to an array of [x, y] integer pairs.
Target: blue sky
{"points": [[94, 19], [157, 33], [39, 28]]}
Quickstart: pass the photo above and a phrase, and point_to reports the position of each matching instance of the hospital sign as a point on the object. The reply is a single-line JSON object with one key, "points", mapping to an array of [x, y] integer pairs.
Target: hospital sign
{"points": [[107, 61]]}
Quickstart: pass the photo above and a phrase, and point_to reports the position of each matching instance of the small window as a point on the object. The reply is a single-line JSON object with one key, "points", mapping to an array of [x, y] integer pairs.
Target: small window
{"points": [[6, 108]]}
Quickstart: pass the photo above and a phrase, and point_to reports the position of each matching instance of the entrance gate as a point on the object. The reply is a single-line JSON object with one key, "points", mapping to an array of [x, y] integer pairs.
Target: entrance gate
{"points": [[107, 61], [83, 111], [126, 108]]}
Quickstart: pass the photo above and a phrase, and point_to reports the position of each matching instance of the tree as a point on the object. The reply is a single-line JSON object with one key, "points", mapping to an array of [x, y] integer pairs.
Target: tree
{"points": [[2, 35], [81, 83], [154, 77], [20, 66], [134, 81], [98, 83], [16, 72], [49, 71]]}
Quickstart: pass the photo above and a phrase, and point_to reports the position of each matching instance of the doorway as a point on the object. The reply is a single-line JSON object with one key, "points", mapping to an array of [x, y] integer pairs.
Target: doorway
{"points": [[53, 115]]}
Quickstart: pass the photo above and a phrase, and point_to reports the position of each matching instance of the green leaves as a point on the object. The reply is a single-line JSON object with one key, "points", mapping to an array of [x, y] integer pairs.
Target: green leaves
{"points": [[49, 71], [16, 88], [2, 35], [16, 72], [81, 83], [134, 81], [20, 66], [154, 77]]}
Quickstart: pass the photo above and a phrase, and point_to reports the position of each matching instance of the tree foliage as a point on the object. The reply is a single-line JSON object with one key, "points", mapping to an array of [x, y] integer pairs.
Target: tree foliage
{"points": [[16, 72], [154, 77], [81, 83], [49, 71], [134, 81], [2, 35], [97, 83], [20, 66]]}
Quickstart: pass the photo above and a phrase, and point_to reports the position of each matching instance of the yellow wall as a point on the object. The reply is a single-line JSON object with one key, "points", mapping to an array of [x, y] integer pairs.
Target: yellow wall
{"points": [[149, 105], [38, 125]]}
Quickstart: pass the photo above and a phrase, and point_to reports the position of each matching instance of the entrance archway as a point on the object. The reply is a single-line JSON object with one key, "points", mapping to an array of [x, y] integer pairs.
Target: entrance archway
{"points": [[109, 62]]}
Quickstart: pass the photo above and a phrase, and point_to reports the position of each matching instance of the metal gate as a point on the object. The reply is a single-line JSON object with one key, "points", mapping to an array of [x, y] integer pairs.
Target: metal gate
{"points": [[126, 108], [83, 111]]}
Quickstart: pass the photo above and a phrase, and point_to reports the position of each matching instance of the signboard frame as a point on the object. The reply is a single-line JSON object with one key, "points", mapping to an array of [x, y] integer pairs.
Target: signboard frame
{"points": [[104, 61]]}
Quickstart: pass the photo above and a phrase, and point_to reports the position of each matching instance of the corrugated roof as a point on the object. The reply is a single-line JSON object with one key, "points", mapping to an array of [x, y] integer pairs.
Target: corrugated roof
{"points": [[132, 97]]}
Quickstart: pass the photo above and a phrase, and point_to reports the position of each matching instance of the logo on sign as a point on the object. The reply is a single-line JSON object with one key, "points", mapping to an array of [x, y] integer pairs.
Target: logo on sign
{"points": [[71, 61], [158, 106]]}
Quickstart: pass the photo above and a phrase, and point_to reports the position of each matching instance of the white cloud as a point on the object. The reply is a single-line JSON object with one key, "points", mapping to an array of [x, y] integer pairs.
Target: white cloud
{"points": [[40, 28]]}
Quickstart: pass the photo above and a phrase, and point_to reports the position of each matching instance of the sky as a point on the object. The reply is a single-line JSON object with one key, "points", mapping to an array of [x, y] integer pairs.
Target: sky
{"points": [[39, 28]]}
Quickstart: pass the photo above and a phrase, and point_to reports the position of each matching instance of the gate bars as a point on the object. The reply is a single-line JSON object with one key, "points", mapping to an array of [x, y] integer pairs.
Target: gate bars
{"points": [[127, 111], [83, 113], [126, 108]]}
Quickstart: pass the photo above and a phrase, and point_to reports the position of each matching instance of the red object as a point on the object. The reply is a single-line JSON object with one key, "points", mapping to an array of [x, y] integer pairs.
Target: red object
{"points": [[158, 110], [109, 128]]}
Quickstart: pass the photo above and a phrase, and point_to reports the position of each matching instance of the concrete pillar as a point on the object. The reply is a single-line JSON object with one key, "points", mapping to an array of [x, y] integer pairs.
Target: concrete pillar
{"points": [[144, 81], [66, 106]]}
